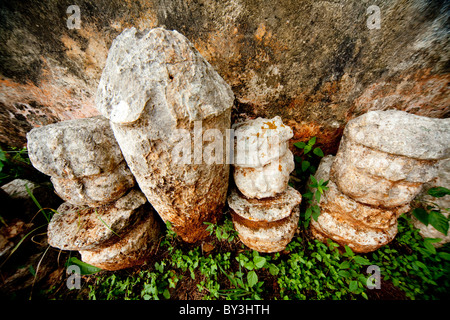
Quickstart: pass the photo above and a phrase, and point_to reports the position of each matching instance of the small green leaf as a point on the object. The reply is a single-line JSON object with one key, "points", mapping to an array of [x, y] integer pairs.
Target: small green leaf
{"points": [[361, 260], [438, 221], [318, 152], [308, 195], [429, 247], [438, 192], [307, 149], [273, 269], [344, 273], [314, 181], [316, 213], [259, 261], [308, 213], [305, 165], [349, 251], [344, 265], [317, 194], [252, 278], [353, 286], [312, 141], [166, 294], [421, 215], [300, 144], [444, 255]]}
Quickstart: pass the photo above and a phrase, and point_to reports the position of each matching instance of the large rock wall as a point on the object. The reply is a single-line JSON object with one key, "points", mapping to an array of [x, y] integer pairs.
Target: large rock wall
{"points": [[314, 63]]}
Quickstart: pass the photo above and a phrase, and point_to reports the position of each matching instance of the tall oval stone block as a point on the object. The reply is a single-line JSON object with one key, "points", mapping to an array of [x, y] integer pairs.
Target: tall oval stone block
{"points": [[170, 111], [83, 159]]}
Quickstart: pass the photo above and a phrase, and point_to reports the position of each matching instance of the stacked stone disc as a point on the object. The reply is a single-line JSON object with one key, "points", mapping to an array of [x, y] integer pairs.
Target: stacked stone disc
{"points": [[104, 218], [264, 208], [383, 160]]}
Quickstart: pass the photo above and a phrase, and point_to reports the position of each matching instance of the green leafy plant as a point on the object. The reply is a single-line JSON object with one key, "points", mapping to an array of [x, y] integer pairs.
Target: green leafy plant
{"points": [[12, 162], [431, 213], [224, 231], [313, 195], [306, 163]]}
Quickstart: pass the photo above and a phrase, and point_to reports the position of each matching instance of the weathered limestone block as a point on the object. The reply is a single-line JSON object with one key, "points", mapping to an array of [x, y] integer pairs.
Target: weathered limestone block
{"points": [[91, 190], [442, 180], [373, 190], [83, 159], [401, 133], [381, 164], [132, 249], [341, 206], [359, 238], [260, 141], [386, 156], [81, 227], [362, 227], [156, 89], [265, 225], [265, 181]]}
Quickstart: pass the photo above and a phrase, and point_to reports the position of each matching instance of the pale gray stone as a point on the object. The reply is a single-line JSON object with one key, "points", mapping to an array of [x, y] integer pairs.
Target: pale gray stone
{"points": [[265, 181], [74, 148], [266, 225], [76, 227], [260, 141], [157, 89], [95, 190], [83, 159], [363, 228], [401, 133], [134, 248], [381, 164]]}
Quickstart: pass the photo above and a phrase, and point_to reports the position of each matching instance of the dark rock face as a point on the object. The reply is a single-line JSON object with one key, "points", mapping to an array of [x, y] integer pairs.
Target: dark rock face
{"points": [[314, 63]]}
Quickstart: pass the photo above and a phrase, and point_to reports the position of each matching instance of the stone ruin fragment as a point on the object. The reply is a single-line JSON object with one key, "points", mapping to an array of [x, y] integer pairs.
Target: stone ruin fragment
{"points": [[159, 93], [104, 218], [264, 208], [383, 160]]}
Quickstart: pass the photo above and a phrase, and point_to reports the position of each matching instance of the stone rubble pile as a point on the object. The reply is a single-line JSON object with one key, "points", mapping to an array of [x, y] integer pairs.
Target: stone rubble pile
{"points": [[102, 216], [264, 208], [383, 160]]}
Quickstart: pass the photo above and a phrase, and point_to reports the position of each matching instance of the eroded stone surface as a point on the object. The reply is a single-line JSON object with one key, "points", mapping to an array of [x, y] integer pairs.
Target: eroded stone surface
{"points": [[270, 237], [363, 228], [81, 227], [132, 249], [358, 238], [381, 164], [95, 190], [74, 148], [265, 181], [264, 210], [260, 141], [401, 133], [154, 84], [341, 206], [373, 190], [266, 225], [83, 159]]}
